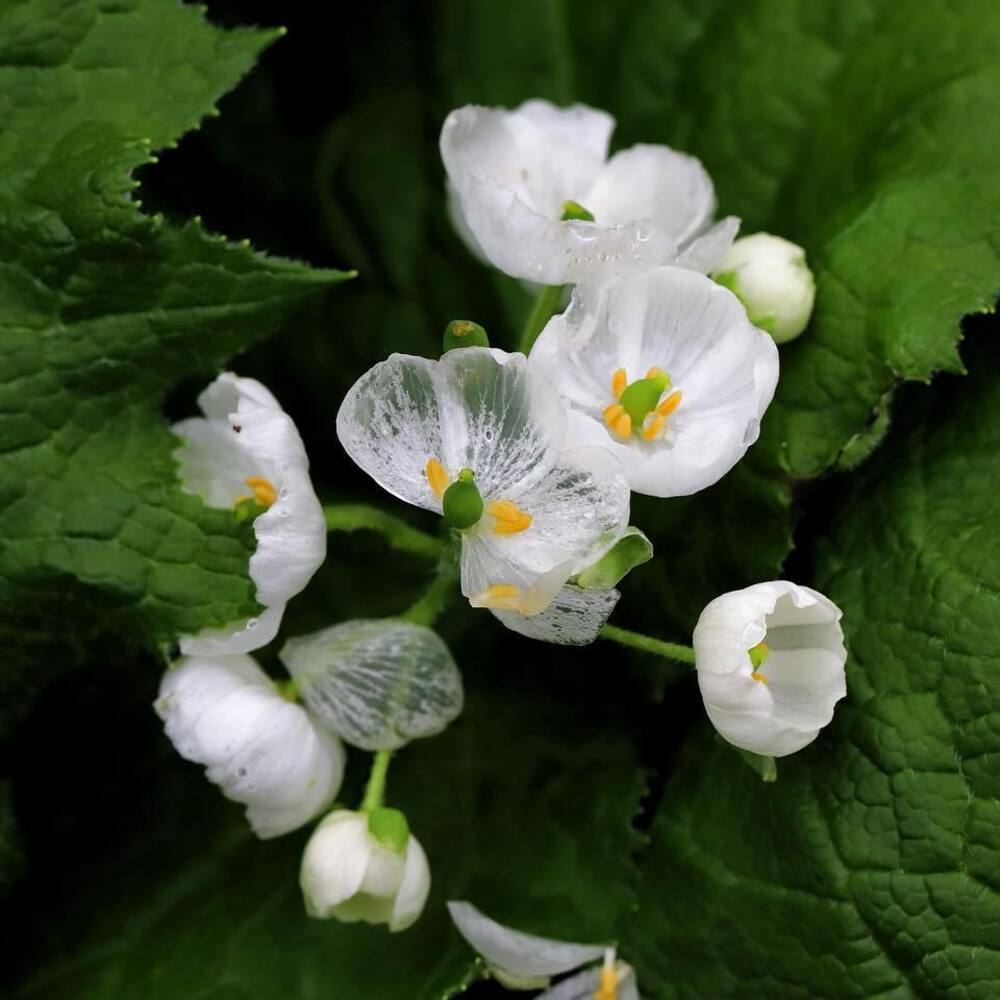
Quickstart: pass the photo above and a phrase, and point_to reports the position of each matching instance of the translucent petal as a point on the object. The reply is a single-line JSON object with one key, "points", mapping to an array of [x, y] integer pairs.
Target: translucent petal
{"points": [[574, 618], [390, 424], [517, 954], [579, 510], [378, 684], [584, 985], [699, 334], [704, 252]]}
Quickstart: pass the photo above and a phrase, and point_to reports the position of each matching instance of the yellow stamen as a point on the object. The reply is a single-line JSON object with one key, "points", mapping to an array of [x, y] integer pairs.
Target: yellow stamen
{"points": [[758, 676], [651, 430], [263, 492], [503, 596], [436, 477], [655, 372], [608, 990], [510, 519], [618, 420], [669, 404], [619, 382]]}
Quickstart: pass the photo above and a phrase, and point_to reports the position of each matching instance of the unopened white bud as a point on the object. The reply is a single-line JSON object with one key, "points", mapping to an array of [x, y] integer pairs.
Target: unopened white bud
{"points": [[770, 277]]}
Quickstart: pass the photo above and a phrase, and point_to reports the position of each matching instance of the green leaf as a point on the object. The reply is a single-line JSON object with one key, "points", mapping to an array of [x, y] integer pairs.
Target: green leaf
{"points": [[870, 868], [102, 310], [527, 816]]}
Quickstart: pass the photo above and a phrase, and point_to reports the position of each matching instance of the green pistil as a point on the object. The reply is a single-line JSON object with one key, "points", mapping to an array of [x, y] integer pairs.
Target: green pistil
{"points": [[462, 504], [640, 398], [758, 654], [574, 210]]}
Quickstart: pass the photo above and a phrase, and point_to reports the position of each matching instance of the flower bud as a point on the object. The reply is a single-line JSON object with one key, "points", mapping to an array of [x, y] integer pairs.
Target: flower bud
{"points": [[770, 661], [770, 277], [463, 333], [365, 866]]}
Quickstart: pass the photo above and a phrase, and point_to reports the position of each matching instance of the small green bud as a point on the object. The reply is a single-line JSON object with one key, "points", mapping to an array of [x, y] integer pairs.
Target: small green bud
{"points": [[574, 210], [389, 828], [631, 550], [463, 333], [461, 504]]}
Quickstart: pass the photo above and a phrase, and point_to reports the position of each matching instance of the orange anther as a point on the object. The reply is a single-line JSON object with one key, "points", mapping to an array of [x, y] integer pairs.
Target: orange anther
{"points": [[665, 408], [619, 382]]}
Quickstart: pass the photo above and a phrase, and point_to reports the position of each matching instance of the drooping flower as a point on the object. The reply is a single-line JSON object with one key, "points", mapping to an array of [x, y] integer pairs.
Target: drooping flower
{"points": [[365, 866], [770, 661], [260, 748], [533, 191], [523, 961], [245, 453], [770, 277], [666, 371], [478, 437]]}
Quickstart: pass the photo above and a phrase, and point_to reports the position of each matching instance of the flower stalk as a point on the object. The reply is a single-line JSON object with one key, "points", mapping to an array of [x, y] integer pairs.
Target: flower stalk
{"points": [[636, 640]]}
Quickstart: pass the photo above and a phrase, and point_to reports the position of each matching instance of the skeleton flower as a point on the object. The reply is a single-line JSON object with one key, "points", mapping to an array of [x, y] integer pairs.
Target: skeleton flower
{"points": [[368, 867], [525, 961], [246, 453], [478, 437], [770, 661], [262, 750], [665, 369], [533, 191]]}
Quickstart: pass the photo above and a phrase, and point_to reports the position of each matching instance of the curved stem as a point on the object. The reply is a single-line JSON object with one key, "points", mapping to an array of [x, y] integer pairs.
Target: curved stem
{"points": [[375, 789], [428, 607], [636, 640], [399, 534], [546, 303]]}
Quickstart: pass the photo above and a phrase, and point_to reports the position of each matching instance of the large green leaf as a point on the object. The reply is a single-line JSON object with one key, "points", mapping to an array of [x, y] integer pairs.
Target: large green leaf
{"points": [[871, 867], [527, 814], [102, 310]]}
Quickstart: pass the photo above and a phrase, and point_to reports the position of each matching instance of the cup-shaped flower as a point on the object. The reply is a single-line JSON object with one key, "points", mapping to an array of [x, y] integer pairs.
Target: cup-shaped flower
{"points": [[770, 277], [478, 436], [665, 369], [533, 191], [245, 453], [377, 684], [365, 866], [260, 748], [770, 661]]}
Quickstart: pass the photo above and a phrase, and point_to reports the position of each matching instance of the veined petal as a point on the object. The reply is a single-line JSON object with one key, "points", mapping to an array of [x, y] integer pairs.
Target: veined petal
{"points": [[515, 953], [574, 618], [390, 424], [670, 191], [579, 510], [245, 435], [691, 328]]}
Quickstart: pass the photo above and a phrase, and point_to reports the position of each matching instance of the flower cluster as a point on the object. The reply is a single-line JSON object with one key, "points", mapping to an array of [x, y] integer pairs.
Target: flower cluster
{"points": [[653, 379]]}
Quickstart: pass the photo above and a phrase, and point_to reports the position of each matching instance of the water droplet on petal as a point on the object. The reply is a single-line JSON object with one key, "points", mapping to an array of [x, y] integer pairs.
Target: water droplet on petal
{"points": [[283, 493], [252, 623]]}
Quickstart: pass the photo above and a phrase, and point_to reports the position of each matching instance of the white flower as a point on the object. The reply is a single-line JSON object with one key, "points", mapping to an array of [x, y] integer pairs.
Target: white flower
{"points": [[770, 661], [246, 448], [478, 436], [526, 961], [665, 369], [771, 278], [262, 750], [350, 875], [516, 175]]}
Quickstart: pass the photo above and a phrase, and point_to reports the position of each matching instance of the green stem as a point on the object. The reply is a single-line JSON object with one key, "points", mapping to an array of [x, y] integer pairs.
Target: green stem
{"points": [[375, 789], [546, 303], [399, 534], [636, 640], [428, 607]]}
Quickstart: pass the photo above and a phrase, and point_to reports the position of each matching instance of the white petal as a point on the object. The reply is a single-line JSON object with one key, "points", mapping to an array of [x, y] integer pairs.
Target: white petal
{"points": [[699, 334], [261, 749], [579, 510], [584, 985], [245, 433], [705, 252], [803, 673], [574, 618], [671, 191], [517, 954], [334, 861], [377, 684], [390, 424], [413, 889], [586, 129]]}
